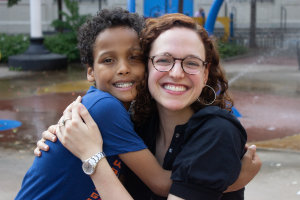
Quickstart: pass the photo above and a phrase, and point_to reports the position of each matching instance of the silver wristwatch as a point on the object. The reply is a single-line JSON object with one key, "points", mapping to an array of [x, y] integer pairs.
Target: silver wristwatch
{"points": [[89, 165]]}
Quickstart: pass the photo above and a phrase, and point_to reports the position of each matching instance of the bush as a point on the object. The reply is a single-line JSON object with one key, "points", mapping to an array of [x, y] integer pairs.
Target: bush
{"points": [[231, 49], [64, 43], [12, 45]]}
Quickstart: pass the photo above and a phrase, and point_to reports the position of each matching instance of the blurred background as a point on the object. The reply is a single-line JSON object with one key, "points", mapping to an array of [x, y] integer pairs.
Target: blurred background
{"points": [[258, 41]]}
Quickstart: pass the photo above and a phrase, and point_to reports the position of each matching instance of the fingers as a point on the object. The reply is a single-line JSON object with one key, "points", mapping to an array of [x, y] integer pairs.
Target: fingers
{"points": [[246, 147], [52, 129], [47, 135], [69, 108], [84, 113], [42, 146], [250, 151], [256, 159], [75, 114], [37, 152]]}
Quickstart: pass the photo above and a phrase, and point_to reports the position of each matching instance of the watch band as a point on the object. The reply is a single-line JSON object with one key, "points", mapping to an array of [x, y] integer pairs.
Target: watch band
{"points": [[98, 156], [89, 165]]}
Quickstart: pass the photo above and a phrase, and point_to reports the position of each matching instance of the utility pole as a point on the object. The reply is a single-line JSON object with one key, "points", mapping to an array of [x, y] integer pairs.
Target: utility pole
{"points": [[180, 6], [253, 24], [99, 2], [59, 5]]}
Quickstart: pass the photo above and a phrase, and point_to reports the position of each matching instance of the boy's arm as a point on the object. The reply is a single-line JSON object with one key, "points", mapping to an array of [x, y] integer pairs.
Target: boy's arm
{"points": [[145, 166], [251, 164]]}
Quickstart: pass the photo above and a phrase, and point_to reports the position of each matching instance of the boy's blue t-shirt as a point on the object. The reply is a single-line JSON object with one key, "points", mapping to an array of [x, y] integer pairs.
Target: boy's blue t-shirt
{"points": [[58, 174]]}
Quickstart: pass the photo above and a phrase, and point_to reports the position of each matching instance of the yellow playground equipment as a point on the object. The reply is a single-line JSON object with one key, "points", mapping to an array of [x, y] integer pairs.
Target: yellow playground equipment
{"points": [[223, 20]]}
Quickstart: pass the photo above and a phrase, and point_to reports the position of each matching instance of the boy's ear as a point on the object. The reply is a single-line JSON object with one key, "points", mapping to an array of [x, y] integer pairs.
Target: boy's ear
{"points": [[90, 74]]}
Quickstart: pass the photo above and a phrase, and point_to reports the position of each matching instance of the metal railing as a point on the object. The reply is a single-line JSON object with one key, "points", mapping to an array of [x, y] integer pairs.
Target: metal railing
{"points": [[283, 15], [264, 38], [298, 53]]}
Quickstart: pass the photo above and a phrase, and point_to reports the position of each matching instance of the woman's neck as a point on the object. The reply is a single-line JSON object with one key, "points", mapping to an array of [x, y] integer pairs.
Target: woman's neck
{"points": [[169, 120]]}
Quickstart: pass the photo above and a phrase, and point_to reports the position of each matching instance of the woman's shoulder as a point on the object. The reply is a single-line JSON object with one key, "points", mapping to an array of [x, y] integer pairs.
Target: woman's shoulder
{"points": [[212, 115], [215, 122]]}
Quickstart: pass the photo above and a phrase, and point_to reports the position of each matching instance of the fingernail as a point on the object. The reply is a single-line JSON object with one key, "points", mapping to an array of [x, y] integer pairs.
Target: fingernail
{"points": [[46, 147], [80, 107], [252, 147], [53, 138]]}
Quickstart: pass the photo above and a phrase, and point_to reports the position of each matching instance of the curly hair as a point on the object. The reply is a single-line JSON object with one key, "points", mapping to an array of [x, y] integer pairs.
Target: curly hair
{"points": [[145, 106], [106, 18]]}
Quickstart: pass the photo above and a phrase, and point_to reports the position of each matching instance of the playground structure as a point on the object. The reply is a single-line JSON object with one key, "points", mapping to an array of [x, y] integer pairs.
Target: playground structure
{"points": [[155, 8]]}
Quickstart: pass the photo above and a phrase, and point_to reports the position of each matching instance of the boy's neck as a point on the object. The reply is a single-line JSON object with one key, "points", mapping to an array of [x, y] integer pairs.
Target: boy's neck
{"points": [[126, 105]]}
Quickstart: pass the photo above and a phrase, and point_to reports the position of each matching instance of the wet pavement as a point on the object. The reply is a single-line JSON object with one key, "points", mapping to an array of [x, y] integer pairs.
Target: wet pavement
{"points": [[266, 89]]}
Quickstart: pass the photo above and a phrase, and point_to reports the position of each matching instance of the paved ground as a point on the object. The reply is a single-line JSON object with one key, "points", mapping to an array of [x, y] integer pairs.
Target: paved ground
{"points": [[278, 179], [267, 94]]}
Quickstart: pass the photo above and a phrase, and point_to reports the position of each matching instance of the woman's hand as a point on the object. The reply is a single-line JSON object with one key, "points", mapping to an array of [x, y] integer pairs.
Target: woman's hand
{"points": [[82, 139], [47, 135]]}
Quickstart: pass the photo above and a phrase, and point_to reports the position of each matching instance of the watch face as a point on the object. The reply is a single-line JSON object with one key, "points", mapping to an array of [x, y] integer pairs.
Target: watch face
{"points": [[88, 168]]}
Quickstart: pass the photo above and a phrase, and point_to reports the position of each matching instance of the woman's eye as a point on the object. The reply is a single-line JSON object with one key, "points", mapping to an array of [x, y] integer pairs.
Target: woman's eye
{"points": [[192, 63], [167, 61]]}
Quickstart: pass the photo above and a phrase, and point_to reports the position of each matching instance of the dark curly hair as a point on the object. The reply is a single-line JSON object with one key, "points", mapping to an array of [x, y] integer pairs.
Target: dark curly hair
{"points": [[145, 106], [106, 18]]}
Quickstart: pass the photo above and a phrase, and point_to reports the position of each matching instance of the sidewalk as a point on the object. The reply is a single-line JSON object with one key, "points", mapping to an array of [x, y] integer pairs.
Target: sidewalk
{"points": [[278, 179]]}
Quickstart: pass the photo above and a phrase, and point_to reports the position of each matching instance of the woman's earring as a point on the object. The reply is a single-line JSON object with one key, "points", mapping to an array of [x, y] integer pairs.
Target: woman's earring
{"points": [[207, 104]]}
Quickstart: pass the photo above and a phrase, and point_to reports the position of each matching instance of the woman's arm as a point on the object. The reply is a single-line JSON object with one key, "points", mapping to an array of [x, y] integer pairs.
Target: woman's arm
{"points": [[83, 139], [108, 185]]}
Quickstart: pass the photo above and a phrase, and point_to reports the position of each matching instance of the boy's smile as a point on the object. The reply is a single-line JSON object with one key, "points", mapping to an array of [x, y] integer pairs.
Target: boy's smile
{"points": [[118, 64]]}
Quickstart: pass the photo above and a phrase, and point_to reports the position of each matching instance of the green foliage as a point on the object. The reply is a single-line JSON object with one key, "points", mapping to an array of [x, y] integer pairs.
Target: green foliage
{"points": [[15, 68], [10, 3], [231, 49], [63, 43], [73, 20], [12, 45]]}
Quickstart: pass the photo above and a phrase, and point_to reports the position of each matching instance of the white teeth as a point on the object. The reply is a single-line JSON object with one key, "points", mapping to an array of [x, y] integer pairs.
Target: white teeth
{"points": [[175, 88], [123, 84]]}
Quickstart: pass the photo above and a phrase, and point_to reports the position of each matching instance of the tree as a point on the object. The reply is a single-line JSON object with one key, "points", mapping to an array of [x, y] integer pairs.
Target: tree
{"points": [[10, 3], [73, 20], [253, 24]]}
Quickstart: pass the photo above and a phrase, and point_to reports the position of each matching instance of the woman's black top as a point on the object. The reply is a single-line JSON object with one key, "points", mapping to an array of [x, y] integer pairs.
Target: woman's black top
{"points": [[204, 156]]}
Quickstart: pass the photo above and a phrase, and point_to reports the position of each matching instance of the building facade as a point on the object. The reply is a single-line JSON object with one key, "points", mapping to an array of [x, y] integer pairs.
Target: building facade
{"points": [[270, 13]]}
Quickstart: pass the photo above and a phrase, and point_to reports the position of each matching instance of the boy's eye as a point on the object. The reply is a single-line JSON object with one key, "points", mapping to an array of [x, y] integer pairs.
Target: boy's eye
{"points": [[107, 60], [136, 58]]}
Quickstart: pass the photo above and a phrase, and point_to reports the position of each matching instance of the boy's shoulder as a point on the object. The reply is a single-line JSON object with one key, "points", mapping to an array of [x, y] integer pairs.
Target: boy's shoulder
{"points": [[94, 95]]}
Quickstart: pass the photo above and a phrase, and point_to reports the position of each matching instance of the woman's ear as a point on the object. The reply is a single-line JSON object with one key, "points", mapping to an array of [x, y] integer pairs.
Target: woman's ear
{"points": [[90, 74]]}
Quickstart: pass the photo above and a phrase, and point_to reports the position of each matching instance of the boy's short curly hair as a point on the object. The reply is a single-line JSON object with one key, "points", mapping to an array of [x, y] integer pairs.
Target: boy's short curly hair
{"points": [[106, 18]]}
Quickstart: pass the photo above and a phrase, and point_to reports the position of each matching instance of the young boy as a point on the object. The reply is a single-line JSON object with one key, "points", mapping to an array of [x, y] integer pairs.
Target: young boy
{"points": [[108, 44]]}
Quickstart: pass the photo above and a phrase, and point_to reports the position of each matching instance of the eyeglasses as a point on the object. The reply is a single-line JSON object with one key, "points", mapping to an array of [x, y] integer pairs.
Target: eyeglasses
{"points": [[165, 62]]}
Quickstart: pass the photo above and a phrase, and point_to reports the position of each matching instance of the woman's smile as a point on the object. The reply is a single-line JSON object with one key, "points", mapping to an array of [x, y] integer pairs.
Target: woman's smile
{"points": [[175, 88]]}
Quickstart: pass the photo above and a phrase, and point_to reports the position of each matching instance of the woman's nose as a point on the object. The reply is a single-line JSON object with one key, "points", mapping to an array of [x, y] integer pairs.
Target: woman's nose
{"points": [[177, 72]]}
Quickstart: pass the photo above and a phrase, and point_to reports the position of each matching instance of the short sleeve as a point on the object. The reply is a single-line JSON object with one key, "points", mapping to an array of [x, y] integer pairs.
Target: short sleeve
{"points": [[116, 128], [209, 161]]}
